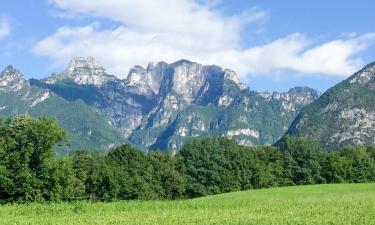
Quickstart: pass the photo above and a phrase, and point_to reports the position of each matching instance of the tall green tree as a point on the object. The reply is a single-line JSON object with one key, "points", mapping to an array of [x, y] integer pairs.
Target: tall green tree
{"points": [[98, 176], [305, 157], [27, 157], [361, 164], [167, 180], [209, 165], [133, 172]]}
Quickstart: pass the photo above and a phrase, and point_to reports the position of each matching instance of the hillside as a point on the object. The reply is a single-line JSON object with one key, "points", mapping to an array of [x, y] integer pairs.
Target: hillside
{"points": [[344, 115], [87, 126], [157, 107], [309, 205]]}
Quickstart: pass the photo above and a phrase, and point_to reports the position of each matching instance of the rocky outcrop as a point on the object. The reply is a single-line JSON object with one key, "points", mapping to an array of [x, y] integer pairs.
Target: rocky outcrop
{"points": [[83, 71], [12, 79]]}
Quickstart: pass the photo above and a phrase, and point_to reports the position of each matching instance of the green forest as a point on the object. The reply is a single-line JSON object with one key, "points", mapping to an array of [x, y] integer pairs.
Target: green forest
{"points": [[31, 171]]}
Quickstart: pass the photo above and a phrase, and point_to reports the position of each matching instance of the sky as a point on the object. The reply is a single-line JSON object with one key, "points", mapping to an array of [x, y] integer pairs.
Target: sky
{"points": [[272, 45]]}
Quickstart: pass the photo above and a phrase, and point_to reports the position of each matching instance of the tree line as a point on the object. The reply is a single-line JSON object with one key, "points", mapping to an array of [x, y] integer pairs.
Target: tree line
{"points": [[30, 171]]}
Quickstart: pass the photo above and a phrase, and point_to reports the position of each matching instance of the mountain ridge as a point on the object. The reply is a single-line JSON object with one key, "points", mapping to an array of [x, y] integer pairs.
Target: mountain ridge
{"points": [[163, 105], [344, 115]]}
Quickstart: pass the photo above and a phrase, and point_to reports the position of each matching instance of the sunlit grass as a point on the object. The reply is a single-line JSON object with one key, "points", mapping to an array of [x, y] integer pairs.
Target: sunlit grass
{"points": [[317, 204]]}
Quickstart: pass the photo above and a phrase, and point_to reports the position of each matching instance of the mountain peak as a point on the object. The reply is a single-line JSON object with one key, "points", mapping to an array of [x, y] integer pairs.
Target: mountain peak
{"points": [[10, 68], [305, 90], [84, 65], [143, 81], [12, 79], [231, 75], [183, 61], [228, 74], [84, 70]]}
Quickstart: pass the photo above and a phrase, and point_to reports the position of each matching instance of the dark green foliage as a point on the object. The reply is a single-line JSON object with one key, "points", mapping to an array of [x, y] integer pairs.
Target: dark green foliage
{"points": [[66, 185], [30, 171], [217, 165], [128, 173], [304, 158], [360, 164], [210, 166], [95, 175], [267, 167], [167, 180], [132, 170], [141, 176], [27, 158]]}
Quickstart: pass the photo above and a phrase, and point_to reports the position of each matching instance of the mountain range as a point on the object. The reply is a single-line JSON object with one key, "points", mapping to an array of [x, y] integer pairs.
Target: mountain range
{"points": [[157, 107]]}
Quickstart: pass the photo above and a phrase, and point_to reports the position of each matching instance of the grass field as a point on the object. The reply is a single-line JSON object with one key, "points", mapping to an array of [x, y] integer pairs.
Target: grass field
{"points": [[320, 204]]}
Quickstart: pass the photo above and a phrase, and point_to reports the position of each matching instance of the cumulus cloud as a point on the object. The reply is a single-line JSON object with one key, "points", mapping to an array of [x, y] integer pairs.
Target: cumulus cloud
{"points": [[169, 30], [297, 52], [4, 27]]}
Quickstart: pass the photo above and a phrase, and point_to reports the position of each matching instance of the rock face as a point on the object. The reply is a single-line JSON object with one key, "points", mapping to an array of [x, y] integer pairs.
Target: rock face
{"points": [[342, 116], [12, 80], [83, 71], [163, 105]]}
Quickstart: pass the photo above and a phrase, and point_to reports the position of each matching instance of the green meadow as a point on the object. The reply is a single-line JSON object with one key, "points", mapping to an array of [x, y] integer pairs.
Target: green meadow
{"points": [[313, 204]]}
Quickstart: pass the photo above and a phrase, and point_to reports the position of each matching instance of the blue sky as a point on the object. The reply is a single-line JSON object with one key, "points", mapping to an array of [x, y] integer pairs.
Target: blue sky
{"points": [[272, 45]]}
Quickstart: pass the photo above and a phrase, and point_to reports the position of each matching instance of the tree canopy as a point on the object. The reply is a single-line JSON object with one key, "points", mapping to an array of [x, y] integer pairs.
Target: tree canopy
{"points": [[30, 171]]}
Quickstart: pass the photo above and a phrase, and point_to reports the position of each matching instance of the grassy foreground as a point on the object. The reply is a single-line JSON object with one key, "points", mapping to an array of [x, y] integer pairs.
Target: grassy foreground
{"points": [[318, 204]]}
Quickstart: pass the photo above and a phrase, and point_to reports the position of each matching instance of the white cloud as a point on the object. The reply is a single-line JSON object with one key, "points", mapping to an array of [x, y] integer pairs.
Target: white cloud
{"points": [[169, 30], [296, 52], [179, 17], [4, 27]]}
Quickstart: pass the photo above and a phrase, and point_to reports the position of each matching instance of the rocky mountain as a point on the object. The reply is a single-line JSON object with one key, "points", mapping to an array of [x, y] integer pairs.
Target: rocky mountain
{"points": [[157, 107], [344, 115], [87, 126], [83, 71]]}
